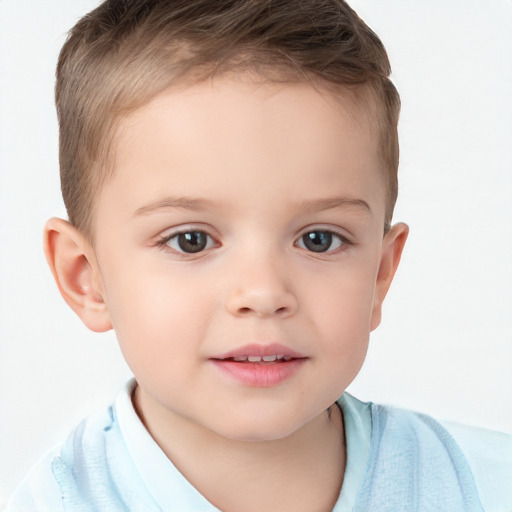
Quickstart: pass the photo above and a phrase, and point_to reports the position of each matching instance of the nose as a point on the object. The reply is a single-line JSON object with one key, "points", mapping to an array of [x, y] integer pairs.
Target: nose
{"points": [[262, 289]]}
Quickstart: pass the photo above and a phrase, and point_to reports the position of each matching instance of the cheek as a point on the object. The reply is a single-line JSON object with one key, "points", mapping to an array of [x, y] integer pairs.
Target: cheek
{"points": [[342, 308], [344, 299], [158, 317]]}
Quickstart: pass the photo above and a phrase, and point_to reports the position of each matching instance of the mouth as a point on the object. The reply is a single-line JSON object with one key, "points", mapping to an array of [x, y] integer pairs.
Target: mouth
{"points": [[260, 366], [272, 359], [273, 353]]}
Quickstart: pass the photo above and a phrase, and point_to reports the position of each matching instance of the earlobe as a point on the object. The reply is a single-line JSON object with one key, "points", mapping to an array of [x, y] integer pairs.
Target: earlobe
{"points": [[392, 247], [74, 267]]}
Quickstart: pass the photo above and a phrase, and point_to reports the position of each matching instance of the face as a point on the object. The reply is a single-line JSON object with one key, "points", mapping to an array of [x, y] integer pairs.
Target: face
{"points": [[239, 245]]}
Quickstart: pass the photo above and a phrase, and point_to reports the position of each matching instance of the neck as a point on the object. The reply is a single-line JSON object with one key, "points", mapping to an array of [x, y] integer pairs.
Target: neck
{"points": [[300, 472]]}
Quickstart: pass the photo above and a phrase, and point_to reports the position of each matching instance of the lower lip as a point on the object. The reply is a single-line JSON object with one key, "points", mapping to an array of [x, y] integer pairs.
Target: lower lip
{"points": [[259, 375]]}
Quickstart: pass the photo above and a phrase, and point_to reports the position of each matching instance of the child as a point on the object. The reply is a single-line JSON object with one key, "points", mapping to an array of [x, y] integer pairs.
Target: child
{"points": [[229, 170]]}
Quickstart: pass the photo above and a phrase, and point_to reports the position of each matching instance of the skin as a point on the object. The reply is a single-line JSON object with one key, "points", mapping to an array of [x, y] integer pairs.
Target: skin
{"points": [[255, 166]]}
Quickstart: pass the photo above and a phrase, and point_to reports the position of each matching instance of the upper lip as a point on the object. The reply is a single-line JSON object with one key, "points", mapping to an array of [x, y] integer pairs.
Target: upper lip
{"points": [[260, 350]]}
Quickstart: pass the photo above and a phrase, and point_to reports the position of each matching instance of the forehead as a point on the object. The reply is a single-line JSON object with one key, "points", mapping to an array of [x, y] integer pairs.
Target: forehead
{"points": [[228, 136], [235, 100]]}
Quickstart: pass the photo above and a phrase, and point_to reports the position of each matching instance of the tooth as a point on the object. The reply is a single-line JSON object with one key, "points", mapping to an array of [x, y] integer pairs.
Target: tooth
{"points": [[287, 358], [254, 359], [269, 358], [280, 356], [240, 359]]}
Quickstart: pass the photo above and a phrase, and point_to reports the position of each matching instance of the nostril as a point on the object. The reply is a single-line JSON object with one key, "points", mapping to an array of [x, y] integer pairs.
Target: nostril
{"points": [[248, 310], [261, 303]]}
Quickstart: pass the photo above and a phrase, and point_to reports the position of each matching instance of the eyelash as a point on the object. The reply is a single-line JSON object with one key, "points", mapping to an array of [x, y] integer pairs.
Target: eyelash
{"points": [[343, 241], [163, 242]]}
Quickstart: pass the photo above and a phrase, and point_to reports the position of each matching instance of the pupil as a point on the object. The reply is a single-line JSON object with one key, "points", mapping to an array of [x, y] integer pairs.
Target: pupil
{"points": [[194, 241], [317, 241]]}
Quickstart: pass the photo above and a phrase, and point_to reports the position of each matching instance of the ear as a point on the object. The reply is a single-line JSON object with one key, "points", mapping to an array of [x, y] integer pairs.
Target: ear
{"points": [[73, 264], [392, 247]]}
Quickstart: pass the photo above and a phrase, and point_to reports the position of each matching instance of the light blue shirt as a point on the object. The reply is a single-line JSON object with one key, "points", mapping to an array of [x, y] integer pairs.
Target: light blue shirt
{"points": [[397, 461]]}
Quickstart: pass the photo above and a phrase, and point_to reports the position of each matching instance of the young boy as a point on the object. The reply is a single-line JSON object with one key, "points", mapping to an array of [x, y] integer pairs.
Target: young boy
{"points": [[229, 170]]}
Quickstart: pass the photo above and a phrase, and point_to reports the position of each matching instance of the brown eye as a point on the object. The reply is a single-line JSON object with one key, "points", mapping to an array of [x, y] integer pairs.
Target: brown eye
{"points": [[320, 241], [190, 242]]}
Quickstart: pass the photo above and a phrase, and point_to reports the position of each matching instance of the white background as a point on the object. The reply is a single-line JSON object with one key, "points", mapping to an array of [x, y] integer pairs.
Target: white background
{"points": [[445, 345]]}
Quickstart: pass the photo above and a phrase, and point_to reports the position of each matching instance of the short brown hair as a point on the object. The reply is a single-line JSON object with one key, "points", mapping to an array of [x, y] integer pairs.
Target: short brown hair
{"points": [[124, 52]]}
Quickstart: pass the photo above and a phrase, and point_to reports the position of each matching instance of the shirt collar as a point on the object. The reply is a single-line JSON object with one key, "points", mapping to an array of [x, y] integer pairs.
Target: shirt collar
{"points": [[170, 489]]}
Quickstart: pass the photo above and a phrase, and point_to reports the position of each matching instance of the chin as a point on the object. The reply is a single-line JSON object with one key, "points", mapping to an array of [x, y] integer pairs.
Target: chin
{"points": [[260, 429]]}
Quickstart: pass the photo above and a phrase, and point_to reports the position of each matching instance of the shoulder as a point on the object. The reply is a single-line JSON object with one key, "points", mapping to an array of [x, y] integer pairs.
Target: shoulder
{"points": [[415, 462], [478, 462], [91, 470], [489, 455], [39, 490]]}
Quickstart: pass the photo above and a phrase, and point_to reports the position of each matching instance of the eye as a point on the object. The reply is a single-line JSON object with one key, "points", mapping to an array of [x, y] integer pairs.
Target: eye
{"points": [[189, 242], [321, 241]]}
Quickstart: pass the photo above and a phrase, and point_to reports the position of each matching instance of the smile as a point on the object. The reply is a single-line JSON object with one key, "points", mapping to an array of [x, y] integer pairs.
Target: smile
{"points": [[259, 365], [262, 359]]}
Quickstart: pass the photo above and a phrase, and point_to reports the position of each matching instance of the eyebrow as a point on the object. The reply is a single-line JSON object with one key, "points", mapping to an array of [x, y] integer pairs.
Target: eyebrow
{"points": [[187, 203], [334, 202], [200, 204]]}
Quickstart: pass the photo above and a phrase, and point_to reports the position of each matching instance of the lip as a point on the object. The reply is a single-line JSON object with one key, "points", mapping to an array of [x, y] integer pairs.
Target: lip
{"points": [[259, 350], [259, 374]]}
